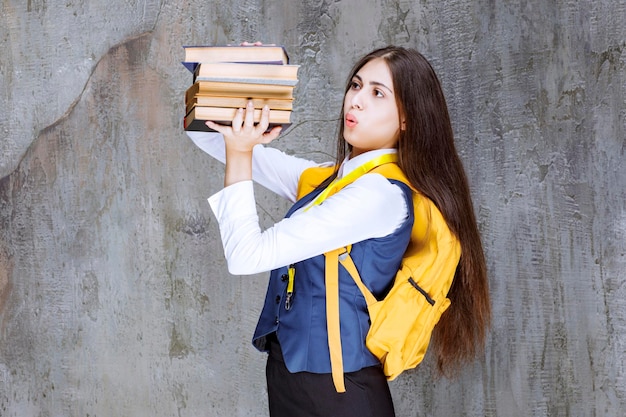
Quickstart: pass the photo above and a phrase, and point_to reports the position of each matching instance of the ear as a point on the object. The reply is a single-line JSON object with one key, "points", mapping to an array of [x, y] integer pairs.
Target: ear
{"points": [[403, 125]]}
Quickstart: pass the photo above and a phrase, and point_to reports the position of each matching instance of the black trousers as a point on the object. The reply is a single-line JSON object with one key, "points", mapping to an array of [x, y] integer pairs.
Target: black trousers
{"points": [[305, 394]]}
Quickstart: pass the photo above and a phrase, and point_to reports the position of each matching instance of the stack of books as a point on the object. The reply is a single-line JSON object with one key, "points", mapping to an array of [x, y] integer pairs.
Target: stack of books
{"points": [[226, 77]]}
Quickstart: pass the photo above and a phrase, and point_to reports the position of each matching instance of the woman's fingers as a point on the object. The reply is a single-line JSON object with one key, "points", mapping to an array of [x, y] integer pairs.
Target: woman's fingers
{"points": [[265, 119], [257, 43], [243, 129], [235, 125], [217, 127], [249, 117], [271, 135]]}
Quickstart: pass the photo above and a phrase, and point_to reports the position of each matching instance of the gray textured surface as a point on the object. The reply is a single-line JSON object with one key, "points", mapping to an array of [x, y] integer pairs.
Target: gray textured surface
{"points": [[114, 296]]}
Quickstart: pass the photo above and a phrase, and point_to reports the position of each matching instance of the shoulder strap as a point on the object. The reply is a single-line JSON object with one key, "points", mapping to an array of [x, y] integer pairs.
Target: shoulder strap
{"points": [[332, 272], [333, 325], [370, 165], [348, 264], [311, 178]]}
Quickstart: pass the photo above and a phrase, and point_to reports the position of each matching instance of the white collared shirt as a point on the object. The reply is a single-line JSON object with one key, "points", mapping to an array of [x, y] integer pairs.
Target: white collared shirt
{"points": [[370, 207]]}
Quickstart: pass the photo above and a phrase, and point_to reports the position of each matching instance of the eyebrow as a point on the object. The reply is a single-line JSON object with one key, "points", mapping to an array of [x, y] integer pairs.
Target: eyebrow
{"points": [[376, 83]]}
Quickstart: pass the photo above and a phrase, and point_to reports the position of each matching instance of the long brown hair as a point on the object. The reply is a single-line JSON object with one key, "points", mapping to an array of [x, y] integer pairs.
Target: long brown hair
{"points": [[428, 157]]}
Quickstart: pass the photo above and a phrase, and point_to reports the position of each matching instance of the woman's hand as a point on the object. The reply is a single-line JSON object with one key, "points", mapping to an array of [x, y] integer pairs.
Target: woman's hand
{"points": [[240, 138], [242, 135], [257, 43]]}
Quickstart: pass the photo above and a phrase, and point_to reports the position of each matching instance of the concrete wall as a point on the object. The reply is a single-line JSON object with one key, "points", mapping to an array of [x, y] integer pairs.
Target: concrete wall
{"points": [[114, 296]]}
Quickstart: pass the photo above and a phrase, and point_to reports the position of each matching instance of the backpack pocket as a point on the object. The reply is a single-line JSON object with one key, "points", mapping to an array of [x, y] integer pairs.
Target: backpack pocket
{"points": [[402, 325]]}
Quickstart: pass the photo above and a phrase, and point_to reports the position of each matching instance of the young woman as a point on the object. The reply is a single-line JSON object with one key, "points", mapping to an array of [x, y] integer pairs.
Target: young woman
{"points": [[393, 105]]}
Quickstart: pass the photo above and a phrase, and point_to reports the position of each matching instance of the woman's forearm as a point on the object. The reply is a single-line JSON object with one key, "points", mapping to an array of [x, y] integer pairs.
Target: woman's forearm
{"points": [[238, 166], [240, 138]]}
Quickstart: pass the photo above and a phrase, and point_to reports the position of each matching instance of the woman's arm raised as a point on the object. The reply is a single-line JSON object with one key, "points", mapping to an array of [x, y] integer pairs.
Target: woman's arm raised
{"points": [[240, 138]]}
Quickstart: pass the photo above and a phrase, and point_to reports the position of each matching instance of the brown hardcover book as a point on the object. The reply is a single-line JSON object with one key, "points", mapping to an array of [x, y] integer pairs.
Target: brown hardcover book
{"points": [[266, 54], [245, 90], [198, 115], [238, 102], [247, 73]]}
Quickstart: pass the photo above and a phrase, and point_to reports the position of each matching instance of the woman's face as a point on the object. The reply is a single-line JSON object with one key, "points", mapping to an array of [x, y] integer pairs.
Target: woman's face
{"points": [[370, 114]]}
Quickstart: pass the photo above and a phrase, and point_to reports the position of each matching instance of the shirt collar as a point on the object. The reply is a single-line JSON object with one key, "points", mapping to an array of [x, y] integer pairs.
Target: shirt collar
{"points": [[350, 164]]}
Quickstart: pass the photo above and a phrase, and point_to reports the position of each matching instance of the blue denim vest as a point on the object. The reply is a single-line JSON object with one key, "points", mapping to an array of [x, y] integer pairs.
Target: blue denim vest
{"points": [[301, 330]]}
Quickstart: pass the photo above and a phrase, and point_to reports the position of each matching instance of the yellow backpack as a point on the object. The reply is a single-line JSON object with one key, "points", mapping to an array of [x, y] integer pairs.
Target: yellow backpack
{"points": [[401, 323]]}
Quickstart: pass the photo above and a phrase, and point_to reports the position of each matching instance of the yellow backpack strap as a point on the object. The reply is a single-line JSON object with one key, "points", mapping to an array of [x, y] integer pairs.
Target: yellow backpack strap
{"points": [[333, 258], [332, 319], [310, 179], [348, 263]]}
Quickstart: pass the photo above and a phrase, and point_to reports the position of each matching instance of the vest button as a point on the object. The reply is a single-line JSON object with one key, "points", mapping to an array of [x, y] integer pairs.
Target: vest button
{"points": [[284, 277], [276, 320], [278, 299]]}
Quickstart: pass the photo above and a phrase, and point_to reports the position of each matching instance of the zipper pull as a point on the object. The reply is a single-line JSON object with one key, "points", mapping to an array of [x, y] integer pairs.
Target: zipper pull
{"points": [[289, 296]]}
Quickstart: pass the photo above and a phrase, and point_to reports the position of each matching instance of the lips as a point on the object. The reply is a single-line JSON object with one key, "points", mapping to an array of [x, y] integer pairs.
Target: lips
{"points": [[350, 120]]}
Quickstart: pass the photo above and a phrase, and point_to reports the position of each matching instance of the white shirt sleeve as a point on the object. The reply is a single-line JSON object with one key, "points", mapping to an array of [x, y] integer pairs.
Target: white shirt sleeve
{"points": [[271, 168], [370, 207]]}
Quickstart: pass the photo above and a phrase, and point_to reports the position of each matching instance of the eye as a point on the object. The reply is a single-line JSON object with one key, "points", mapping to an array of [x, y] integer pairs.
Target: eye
{"points": [[378, 93], [354, 85]]}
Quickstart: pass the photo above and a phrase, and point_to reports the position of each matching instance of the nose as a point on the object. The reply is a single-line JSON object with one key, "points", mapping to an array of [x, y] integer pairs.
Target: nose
{"points": [[356, 101]]}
